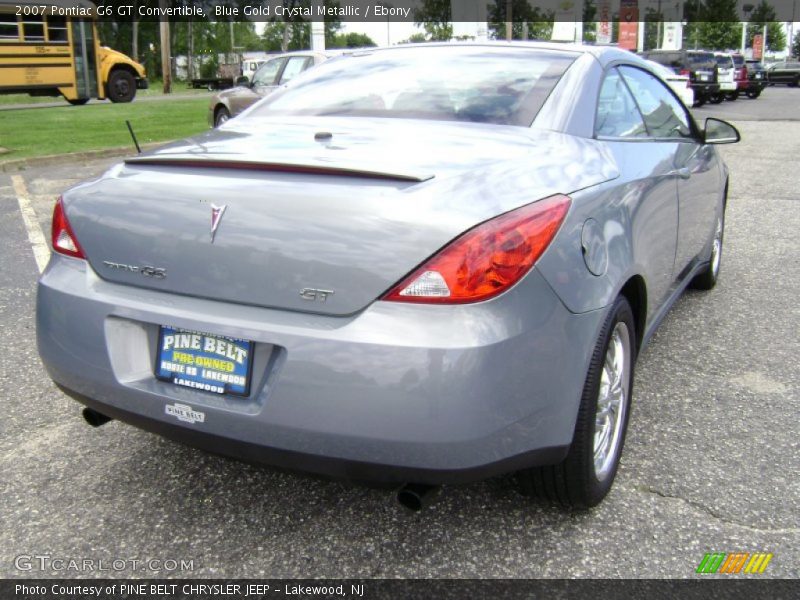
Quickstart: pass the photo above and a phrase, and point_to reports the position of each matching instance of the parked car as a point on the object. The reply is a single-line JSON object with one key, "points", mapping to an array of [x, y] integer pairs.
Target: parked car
{"points": [[700, 66], [421, 264], [269, 76], [756, 78], [681, 84], [740, 74], [726, 75], [784, 73]]}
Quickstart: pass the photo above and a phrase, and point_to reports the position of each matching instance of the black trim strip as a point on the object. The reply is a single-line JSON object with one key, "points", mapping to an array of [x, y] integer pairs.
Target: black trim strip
{"points": [[30, 65], [33, 43], [22, 88], [35, 55]]}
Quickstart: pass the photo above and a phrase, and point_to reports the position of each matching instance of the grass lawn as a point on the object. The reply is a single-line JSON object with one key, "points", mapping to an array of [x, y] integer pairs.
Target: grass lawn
{"points": [[42, 131]]}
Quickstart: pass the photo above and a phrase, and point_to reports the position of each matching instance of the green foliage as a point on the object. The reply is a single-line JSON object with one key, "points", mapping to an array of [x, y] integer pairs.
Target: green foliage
{"points": [[796, 44], [764, 14], [415, 38], [434, 17], [351, 40], [276, 38], [540, 22]]}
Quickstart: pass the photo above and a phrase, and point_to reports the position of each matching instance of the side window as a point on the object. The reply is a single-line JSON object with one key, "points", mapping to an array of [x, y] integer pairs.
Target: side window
{"points": [[296, 65], [663, 114], [267, 73], [617, 115]]}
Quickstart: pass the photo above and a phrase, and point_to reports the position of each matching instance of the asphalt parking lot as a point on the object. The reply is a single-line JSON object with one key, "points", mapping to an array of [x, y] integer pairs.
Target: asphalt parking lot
{"points": [[711, 463]]}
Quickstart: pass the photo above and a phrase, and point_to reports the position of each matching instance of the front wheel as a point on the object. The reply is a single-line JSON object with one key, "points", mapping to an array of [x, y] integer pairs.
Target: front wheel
{"points": [[585, 476], [716, 98], [121, 86], [732, 96], [221, 116], [754, 95]]}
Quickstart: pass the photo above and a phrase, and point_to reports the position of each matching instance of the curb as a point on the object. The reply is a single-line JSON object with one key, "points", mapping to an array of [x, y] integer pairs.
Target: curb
{"points": [[60, 159]]}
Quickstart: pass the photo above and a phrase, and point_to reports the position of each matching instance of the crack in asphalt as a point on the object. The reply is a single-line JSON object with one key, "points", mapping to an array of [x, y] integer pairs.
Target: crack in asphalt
{"points": [[715, 515]]}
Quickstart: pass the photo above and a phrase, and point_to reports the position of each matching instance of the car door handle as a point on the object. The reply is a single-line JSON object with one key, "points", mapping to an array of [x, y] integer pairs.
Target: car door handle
{"points": [[683, 173]]}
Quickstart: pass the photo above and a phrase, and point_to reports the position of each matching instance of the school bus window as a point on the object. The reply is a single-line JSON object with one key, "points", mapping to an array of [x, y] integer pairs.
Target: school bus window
{"points": [[9, 30], [57, 29], [33, 29]]}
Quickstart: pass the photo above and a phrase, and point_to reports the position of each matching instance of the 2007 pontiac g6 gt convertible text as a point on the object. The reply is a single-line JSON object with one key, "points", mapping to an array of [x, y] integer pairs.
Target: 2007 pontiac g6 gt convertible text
{"points": [[418, 265]]}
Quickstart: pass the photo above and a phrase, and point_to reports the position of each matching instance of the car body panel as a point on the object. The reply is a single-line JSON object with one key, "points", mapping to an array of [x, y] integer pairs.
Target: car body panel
{"points": [[284, 232]]}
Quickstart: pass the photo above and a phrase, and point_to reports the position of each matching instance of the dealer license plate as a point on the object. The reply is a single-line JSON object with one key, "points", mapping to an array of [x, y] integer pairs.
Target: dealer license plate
{"points": [[203, 361]]}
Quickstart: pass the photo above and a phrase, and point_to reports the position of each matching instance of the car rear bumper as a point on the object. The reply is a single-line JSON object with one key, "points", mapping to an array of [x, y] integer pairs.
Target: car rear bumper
{"points": [[704, 90], [396, 393]]}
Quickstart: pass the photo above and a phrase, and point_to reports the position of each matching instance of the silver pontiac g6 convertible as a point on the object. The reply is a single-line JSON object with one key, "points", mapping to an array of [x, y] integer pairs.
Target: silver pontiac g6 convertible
{"points": [[418, 265]]}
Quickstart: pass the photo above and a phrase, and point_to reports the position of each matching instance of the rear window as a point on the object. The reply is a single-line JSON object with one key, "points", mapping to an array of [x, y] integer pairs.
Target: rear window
{"points": [[738, 61], [479, 84], [702, 60], [724, 62]]}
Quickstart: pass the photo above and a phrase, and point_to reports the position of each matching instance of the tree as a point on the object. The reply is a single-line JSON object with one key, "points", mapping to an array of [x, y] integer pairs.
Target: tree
{"points": [[540, 22], [796, 44], [294, 33], [713, 25], [351, 40], [434, 16], [764, 14], [418, 38]]}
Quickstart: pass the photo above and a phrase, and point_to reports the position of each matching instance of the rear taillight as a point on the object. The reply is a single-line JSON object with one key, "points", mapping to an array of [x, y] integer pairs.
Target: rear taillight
{"points": [[486, 260], [685, 72], [62, 236]]}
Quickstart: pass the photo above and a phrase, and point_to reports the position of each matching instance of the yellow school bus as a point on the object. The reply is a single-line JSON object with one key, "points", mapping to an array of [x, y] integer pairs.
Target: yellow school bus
{"points": [[50, 48]]}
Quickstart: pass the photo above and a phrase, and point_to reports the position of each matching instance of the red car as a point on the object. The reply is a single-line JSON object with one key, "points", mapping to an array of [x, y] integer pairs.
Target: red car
{"points": [[740, 74]]}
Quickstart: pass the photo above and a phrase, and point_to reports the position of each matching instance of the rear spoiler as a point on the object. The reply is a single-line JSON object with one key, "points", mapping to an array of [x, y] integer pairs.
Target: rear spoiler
{"points": [[281, 167]]}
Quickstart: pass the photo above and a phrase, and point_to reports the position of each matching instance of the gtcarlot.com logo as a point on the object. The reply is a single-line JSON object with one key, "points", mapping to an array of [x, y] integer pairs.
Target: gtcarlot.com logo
{"points": [[58, 564]]}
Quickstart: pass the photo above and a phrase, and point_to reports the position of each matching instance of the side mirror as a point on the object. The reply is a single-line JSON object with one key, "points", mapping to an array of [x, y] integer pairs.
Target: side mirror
{"points": [[243, 80], [718, 131]]}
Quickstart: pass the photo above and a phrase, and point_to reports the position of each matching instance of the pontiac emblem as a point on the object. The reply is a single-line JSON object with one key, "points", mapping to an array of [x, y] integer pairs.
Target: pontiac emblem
{"points": [[216, 217]]}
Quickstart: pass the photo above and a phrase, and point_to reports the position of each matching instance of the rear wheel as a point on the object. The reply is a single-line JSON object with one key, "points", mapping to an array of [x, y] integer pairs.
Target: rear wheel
{"points": [[795, 82], [716, 98], [121, 86], [754, 95], [707, 279], [732, 96], [700, 101], [585, 476]]}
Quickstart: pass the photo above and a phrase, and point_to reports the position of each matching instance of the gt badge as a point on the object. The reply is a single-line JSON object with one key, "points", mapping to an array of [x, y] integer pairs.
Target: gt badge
{"points": [[216, 217]]}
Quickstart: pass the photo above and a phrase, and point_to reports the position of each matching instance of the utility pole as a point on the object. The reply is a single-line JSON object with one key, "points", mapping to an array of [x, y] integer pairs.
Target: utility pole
{"points": [[166, 66], [509, 21]]}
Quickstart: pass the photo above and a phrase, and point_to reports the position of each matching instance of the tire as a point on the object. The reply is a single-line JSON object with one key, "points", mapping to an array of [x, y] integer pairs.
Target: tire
{"points": [[707, 279], [221, 115], [753, 95], [78, 101], [585, 476], [699, 102], [795, 82], [121, 86], [716, 98], [732, 96]]}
